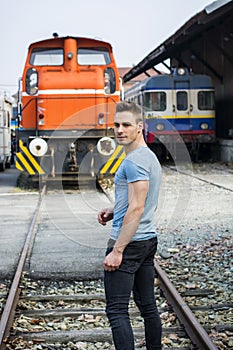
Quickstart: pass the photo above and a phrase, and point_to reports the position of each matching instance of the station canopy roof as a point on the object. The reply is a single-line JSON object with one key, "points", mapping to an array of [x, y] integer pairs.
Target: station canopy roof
{"points": [[191, 30]]}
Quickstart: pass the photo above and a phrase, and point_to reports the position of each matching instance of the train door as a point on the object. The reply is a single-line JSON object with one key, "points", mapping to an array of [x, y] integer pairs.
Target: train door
{"points": [[182, 106]]}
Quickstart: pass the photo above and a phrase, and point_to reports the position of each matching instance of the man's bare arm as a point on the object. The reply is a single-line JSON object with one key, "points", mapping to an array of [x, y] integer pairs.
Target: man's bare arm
{"points": [[137, 192]]}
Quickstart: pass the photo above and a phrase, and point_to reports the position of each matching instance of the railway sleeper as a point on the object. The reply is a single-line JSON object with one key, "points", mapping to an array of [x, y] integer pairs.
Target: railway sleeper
{"points": [[94, 335]]}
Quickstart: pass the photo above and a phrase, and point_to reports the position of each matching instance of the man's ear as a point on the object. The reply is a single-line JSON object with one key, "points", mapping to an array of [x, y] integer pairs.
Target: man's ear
{"points": [[140, 125]]}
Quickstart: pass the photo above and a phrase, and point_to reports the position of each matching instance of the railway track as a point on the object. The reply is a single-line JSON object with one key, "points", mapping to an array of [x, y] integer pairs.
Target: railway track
{"points": [[40, 318], [56, 320], [14, 292]]}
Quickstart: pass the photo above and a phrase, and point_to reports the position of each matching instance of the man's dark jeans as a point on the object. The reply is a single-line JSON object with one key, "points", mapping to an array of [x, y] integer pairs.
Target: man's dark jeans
{"points": [[136, 273]]}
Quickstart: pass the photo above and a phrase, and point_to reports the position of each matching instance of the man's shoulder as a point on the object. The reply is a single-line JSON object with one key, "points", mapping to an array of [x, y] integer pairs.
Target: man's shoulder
{"points": [[142, 155]]}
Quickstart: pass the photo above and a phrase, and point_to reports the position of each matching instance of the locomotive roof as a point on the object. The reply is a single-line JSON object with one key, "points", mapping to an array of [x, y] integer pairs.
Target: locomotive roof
{"points": [[166, 81], [61, 38]]}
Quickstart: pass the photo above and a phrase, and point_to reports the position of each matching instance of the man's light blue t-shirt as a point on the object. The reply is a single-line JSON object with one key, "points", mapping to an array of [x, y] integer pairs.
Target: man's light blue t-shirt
{"points": [[139, 164]]}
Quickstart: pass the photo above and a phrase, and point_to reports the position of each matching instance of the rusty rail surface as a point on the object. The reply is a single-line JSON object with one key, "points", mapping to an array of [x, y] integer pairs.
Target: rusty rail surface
{"points": [[193, 328], [13, 296]]}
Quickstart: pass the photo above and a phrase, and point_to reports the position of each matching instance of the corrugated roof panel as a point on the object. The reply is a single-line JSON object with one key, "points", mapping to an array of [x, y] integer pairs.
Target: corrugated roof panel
{"points": [[215, 5]]}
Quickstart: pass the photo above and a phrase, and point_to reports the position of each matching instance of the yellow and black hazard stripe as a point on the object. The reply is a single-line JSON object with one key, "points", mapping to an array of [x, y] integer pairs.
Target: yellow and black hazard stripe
{"points": [[26, 162], [114, 161]]}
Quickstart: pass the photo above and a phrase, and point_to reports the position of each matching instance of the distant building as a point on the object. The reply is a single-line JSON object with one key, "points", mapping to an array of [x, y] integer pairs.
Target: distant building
{"points": [[123, 70]]}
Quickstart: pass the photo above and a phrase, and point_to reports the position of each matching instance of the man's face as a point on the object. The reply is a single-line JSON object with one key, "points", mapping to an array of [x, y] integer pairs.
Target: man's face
{"points": [[125, 128]]}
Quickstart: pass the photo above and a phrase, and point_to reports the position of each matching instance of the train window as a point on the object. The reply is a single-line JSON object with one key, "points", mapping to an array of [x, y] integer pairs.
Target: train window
{"points": [[109, 81], [31, 81], [46, 57], [206, 100], [8, 119], [98, 56], [4, 118], [182, 100], [155, 101], [139, 100]]}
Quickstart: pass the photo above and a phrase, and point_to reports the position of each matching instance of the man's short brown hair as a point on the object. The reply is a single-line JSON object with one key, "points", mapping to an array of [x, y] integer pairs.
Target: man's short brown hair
{"points": [[134, 108]]}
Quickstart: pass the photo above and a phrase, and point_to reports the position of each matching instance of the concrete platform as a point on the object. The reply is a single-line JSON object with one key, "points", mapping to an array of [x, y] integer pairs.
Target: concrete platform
{"points": [[15, 215], [70, 243], [8, 180]]}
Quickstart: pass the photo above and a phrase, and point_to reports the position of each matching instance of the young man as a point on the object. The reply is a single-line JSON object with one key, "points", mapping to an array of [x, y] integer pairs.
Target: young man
{"points": [[128, 265]]}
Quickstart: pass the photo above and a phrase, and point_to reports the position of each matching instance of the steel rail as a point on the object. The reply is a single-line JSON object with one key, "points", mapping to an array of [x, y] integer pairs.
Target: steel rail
{"points": [[193, 328], [13, 296]]}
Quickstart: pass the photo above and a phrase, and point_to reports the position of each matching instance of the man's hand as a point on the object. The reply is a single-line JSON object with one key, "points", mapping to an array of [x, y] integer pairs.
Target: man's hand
{"points": [[113, 260], [105, 215]]}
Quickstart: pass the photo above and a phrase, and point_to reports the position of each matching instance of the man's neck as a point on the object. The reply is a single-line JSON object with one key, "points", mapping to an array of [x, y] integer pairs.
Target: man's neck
{"points": [[131, 147]]}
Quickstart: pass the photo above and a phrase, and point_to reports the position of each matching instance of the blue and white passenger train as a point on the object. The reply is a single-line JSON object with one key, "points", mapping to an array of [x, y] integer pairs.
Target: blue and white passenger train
{"points": [[5, 132], [178, 108]]}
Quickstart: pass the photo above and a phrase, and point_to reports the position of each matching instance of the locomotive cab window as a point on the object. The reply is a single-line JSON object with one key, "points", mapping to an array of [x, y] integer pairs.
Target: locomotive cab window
{"points": [[206, 100], [98, 56], [182, 100], [109, 81], [155, 101], [31, 81], [46, 57]]}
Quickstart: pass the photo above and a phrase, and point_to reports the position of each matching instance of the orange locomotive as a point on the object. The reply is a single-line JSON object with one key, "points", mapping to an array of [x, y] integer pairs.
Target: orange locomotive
{"points": [[67, 99]]}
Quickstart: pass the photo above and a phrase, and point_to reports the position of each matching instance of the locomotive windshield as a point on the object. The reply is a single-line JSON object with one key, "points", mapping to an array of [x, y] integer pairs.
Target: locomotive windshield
{"points": [[98, 56], [46, 57], [155, 101]]}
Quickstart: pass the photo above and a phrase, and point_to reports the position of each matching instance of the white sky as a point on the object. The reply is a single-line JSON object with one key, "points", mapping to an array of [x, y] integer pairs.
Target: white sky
{"points": [[133, 27]]}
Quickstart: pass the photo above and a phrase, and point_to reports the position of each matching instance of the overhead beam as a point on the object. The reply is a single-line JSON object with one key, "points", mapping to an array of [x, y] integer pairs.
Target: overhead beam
{"points": [[150, 61], [206, 64], [156, 70], [180, 60], [147, 74], [165, 65], [223, 52]]}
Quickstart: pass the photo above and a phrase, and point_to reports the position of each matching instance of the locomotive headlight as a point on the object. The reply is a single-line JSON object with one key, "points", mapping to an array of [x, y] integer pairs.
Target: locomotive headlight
{"points": [[204, 126], [181, 71], [101, 119], [41, 119], [70, 55], [160, 126], [38, 147]]}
